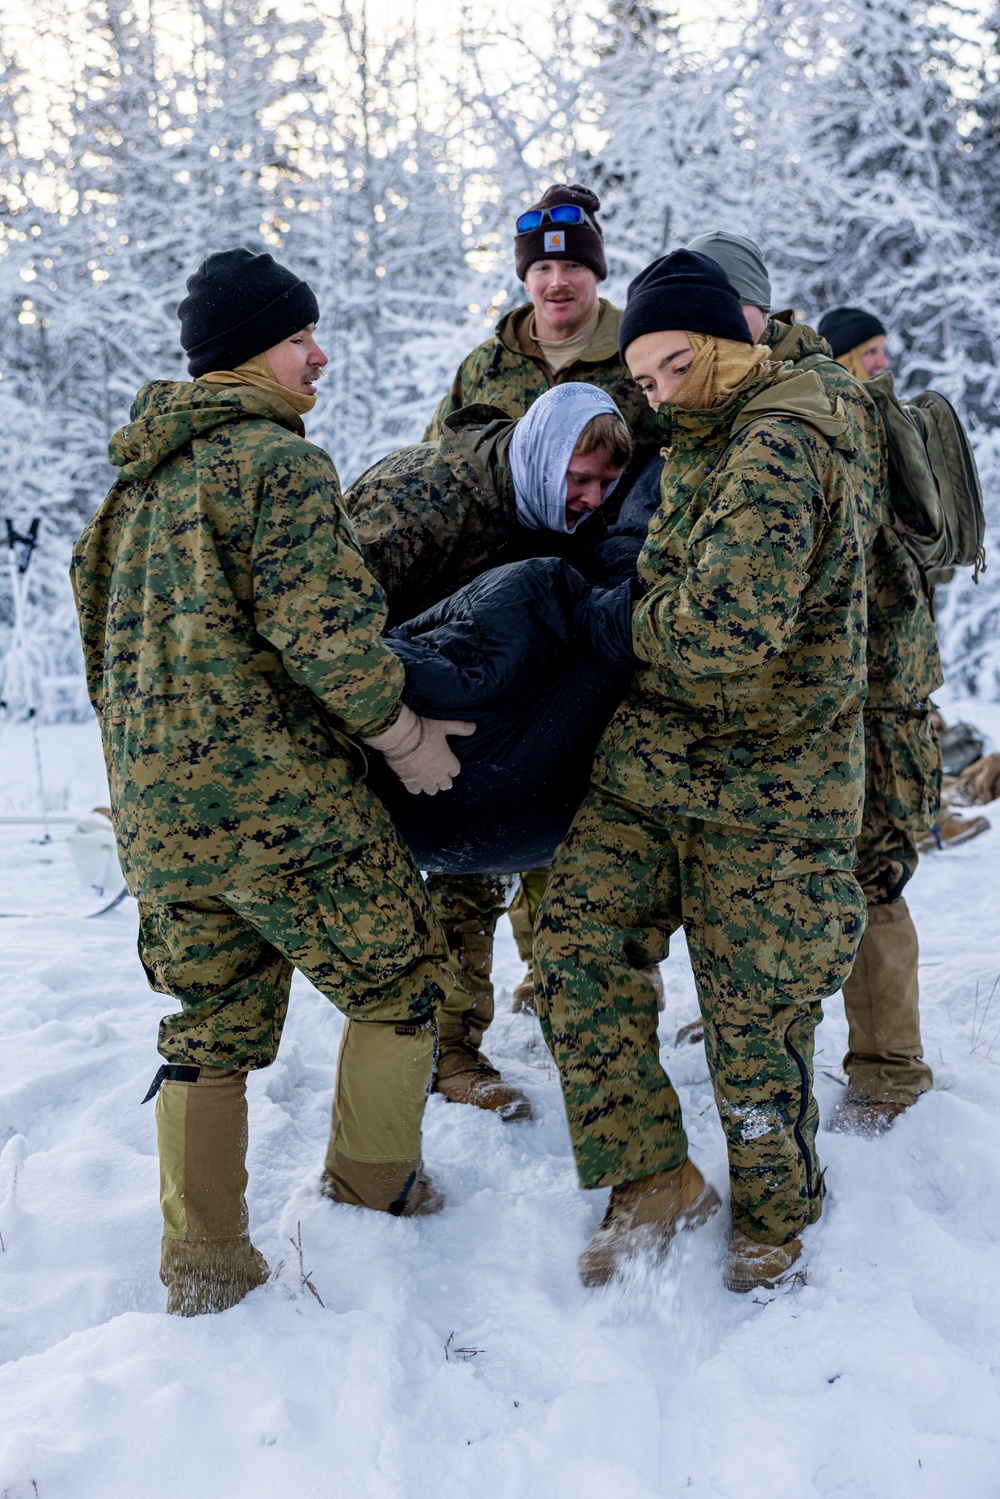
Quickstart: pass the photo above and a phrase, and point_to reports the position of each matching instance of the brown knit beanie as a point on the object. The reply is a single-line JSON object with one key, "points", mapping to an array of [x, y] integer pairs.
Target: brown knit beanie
{"points": [[551, 241]]}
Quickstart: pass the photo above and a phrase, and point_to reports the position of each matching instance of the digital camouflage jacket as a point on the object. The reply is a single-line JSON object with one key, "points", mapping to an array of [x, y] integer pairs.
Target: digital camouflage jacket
{"points": [[432, 517], [509, 371], [904, 666], [753, 622], [231, 634]]}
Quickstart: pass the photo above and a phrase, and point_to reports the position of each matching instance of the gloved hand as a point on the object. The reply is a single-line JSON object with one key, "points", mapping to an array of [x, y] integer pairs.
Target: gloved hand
{"points": [[417, 750], [602, 624]]}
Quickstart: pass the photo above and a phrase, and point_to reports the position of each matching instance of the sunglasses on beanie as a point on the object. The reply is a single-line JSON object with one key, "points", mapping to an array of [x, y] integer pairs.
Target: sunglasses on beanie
{"points": [[562, 213]]}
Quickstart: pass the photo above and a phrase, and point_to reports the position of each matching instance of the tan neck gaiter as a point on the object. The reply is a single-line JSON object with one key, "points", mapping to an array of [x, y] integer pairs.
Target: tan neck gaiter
{"points": [[719, 366], [853, 364], [257, 371]]}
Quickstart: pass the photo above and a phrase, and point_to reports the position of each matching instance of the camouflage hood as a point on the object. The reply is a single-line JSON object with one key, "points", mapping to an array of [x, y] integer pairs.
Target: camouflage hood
{"points": [[167, 414], [788, 339]]}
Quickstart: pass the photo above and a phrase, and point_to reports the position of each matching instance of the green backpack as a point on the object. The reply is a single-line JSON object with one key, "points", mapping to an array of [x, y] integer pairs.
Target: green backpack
{"points": [[935, 490]]}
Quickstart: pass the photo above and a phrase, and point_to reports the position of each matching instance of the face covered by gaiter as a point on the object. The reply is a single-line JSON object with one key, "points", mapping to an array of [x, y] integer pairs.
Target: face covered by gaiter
{"points": [[541, 448]]}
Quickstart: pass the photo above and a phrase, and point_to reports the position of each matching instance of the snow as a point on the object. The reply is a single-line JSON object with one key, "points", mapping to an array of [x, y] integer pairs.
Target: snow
{"points": [[459, 1353]]}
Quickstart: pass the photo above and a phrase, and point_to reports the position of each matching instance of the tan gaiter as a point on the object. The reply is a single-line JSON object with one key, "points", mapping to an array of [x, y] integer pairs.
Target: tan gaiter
{"points": [[257, 371], [207, 1261], [882, 1001], [383, 1077], [853, 363], [719, 366]]}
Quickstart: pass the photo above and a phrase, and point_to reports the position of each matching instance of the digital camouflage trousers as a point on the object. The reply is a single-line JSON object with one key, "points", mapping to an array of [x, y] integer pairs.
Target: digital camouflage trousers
{"points": [[902, 799], [359, 926], [772, 929]]}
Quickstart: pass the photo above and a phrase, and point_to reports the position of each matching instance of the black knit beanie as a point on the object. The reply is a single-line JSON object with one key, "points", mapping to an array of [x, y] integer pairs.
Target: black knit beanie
{"points": [[239, 304], [563, 241], [683, 291], [846, 327]]}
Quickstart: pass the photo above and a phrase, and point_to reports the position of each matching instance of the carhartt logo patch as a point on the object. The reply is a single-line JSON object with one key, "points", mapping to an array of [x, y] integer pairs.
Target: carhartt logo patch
{"points": [[555, 239]]}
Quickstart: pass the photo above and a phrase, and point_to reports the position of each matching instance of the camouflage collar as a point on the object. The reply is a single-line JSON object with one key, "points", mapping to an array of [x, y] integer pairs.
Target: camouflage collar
{"points": [[511, 332], [691, 429], [789, 339]]}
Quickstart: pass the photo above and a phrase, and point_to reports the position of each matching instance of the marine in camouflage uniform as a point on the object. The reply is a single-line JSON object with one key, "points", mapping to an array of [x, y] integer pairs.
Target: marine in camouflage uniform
{"points": [[509, 371], [885, 1067], [726, 796], [884, 1063], [232, 639]]}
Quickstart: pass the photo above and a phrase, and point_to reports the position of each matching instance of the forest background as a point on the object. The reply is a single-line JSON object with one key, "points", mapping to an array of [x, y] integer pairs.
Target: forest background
{"points": [[856, 140]]}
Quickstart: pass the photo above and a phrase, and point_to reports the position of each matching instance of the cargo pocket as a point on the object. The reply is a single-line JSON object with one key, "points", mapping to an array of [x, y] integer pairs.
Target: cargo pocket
{"points": [[372, 915], [810, 928]]}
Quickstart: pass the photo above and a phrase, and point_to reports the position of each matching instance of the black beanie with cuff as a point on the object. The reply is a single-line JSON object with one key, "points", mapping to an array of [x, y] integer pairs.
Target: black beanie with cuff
{"points": [[238, 305], [845, 328], [686, 292]]}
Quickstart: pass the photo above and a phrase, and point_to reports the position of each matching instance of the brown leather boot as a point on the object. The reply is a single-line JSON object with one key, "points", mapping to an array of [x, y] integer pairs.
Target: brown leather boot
{"points": [[643, 1216], [465, 1076], [462, 1074], [691, 1033], [399, 1188], [752, 1266]]}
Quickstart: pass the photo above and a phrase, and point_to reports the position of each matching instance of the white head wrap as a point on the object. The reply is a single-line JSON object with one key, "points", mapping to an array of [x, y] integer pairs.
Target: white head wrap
{"points": [[542, 446]]}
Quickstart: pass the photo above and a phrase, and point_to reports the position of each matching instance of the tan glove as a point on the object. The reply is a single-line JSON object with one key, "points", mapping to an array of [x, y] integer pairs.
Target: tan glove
{"points": [[417, 750]]}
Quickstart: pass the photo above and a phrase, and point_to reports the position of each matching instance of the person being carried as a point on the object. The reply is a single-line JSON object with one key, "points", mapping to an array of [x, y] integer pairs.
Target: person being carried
{"points": [[430, 519], [233, 645]]}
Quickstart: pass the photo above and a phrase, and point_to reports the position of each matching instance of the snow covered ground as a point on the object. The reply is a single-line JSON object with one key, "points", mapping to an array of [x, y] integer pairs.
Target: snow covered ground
{"points": [[459, 1354]]}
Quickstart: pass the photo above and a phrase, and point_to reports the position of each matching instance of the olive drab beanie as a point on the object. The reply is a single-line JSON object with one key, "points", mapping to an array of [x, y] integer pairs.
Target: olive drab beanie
{"points": [[552, 241], [238, 305], [683, 291], [743, 262]]}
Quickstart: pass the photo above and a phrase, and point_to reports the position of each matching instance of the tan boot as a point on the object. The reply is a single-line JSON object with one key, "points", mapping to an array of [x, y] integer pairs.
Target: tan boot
{"points": [[643, 1216], [691, 1033], [522, 1001], [462, 1073], [864, 1116], [207, 1261], [882, 1002], [752, 1266], [400, 1188], [950, 830]]}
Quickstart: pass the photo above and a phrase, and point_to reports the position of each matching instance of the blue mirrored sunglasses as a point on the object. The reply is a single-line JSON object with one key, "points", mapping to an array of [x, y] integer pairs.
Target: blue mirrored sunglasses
{"points": [[561, 213]]}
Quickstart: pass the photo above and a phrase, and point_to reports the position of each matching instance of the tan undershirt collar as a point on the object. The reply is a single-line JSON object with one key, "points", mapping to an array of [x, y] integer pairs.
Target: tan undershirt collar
{"points": [[559, 352]]}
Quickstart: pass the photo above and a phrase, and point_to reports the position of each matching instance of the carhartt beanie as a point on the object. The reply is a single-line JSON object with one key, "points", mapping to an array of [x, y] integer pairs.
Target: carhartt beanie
{"points": [[239, 304], [845, 328], [743, 263], [563, 241], [683, 291]]}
